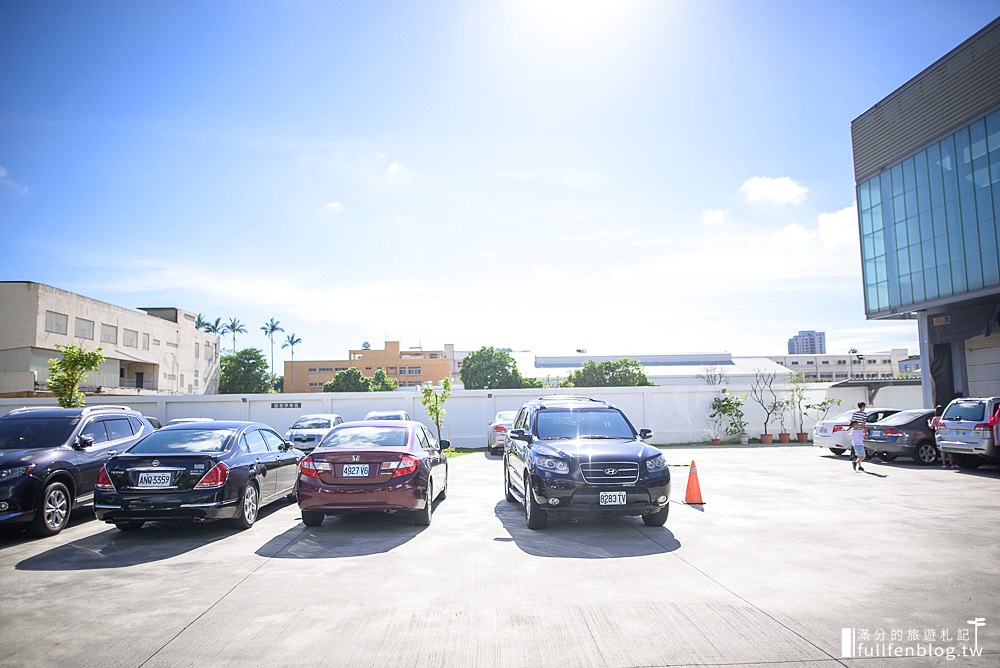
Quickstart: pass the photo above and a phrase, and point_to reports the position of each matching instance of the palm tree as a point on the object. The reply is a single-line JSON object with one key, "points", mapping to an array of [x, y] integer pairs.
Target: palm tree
{"points": [[270, 329], [216, 327], [290, 342], [200, 322], [236, 327]]}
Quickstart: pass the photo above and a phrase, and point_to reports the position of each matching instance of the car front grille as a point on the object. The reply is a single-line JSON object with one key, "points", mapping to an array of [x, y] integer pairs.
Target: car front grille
{"points": [[609, 473]]}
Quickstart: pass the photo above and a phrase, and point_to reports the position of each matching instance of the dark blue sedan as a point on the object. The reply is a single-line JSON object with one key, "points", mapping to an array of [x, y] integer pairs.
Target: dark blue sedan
{"points": [[197, 471]]}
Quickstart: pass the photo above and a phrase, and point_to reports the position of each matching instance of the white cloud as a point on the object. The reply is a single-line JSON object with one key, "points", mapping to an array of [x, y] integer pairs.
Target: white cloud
{"points": [[839, 230], [336, 207], [782, 190], [570, 179], [11, 184], [395, 174], [714, 217]]}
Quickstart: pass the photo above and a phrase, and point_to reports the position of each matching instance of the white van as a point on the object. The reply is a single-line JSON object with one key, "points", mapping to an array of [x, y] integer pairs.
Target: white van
{"points": [[964, 431]]}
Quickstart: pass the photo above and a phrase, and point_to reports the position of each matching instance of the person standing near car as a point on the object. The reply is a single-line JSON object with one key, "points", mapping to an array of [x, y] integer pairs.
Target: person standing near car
{"points": [[859, 416], [857, 444], [947, 461]]}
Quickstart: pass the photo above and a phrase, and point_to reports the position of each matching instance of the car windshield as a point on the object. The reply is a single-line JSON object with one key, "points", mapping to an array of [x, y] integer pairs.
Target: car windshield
{"points": [[35, 433], [311, 423], [972, 411], [386, 416], [903, 417], [564, 424], [180, 441], [843, 417], [363, 437]]}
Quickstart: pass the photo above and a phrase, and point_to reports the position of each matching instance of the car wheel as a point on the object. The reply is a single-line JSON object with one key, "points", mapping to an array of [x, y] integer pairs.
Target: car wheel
{"points": [[888, 459], [248, 507], [534, 515], [53, 511], [311, 518], [506, 485], [925, 453], [657, 519], [837, 451], [443, 494], [129, 526], [422, 517], [968, 462]]}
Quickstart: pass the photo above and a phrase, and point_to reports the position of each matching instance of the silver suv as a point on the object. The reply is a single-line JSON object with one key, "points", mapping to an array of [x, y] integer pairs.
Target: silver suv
{"points": [[964, 431]]}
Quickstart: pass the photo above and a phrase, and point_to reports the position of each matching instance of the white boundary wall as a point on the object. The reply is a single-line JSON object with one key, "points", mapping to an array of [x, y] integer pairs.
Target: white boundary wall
{"points": [[675, 413]]}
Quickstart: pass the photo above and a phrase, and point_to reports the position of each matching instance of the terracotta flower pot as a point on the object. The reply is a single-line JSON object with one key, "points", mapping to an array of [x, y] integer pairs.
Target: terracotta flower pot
{"points": [[802, 436], [716, 441], [766, 439], [784, 438]]}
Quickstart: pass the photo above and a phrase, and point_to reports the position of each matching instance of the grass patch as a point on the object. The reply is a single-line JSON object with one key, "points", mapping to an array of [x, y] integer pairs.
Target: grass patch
{"points": [[451, 453]]}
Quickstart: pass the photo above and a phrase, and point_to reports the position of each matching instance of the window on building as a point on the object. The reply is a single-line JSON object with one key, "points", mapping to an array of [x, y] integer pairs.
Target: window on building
{"points": [[56, 323], [197, 351], [795, 363], [391, 370], [810, 362], [313, 369], [145, 341], [84, 329], [182, 379], [208, 351], [340, 368], [109, 333], [156, 342], [130, 338], [886, 361], [826, 361], [413, 370], [841, 361]]}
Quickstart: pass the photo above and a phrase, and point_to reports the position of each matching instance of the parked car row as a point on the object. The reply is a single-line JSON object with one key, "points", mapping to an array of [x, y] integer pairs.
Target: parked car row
{"points": [[53, 460], [965, 431]]}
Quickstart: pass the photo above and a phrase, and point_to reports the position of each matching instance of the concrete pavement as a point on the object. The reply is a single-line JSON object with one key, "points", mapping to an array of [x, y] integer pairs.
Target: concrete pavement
{"points": [[791, 548]]}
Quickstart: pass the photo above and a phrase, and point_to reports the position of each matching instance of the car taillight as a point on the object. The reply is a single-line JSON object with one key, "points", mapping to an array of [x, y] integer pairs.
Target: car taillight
{"points": [[890, 432], [407, 465], [982, 428], [310, 468], [840, 427], [500, 428], [865, 431], [217, 477], [104, 481]]}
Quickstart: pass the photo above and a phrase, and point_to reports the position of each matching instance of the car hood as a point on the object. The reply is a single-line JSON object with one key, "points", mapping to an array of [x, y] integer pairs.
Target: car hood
{"points": [[596, 449], [26, 456]]}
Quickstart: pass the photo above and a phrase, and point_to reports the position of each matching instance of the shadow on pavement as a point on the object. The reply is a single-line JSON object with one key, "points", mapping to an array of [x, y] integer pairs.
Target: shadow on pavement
{"points": [[600, 537], [15, 534], [354, 535], [156, 541]]}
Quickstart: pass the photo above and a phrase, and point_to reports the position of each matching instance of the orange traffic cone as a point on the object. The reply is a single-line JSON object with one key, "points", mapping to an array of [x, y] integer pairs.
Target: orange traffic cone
{"points": [[693, 495]]}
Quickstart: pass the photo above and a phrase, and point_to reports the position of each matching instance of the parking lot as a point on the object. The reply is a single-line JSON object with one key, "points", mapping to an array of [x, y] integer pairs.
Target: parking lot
{"points": [[791, 548]]}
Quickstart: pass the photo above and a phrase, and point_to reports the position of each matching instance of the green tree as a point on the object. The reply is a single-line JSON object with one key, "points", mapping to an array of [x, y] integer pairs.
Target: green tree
{"points": [[531, 383], [200, 322], [244, 372], [215, 327], [277, 383], [625, 372], [433, 402], [235, 327], [490, 369], [348, 380], [68, 371], [270, 329], [382, 383], [290, 342]]}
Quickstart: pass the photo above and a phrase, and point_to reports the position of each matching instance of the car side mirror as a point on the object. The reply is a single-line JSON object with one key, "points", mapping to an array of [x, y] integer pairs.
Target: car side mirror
{"points": [[518, 434], [83, 441], [645, 433], [444, 444]]}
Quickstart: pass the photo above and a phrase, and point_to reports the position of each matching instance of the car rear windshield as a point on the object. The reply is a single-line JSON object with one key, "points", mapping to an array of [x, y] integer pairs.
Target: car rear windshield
{"points": [[562, 424], [972, 411], [364, 437], [35, 433], [903, 417], [312, 423], [386, 416], [180, 441], [506, 416], [843, 417]]}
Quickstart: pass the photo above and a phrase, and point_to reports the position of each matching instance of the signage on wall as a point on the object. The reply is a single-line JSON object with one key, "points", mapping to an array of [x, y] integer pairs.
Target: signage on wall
{"points": [[286, 404]]}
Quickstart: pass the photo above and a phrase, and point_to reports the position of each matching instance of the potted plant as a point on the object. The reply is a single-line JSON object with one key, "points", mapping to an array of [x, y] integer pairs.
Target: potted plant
{"points": [[823, 407], [781, 408], [731, 408], [797, 396], [715, 427], [763, 393]]}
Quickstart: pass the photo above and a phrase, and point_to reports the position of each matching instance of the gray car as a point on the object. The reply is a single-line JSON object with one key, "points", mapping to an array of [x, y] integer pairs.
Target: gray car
{"points": [[965, 434], [902, 434], [309, 430], [497, 430]]}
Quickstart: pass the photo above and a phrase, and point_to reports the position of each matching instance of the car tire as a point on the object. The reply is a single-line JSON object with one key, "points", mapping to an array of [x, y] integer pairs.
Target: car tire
{"points": [[248, 507], [423, 516], [54, 507], [968, 462], [129, 525], [506, 485], [534, 515], [657, 519], [925, 453], [838, 451], [311, 518], [443, 494], [888, 459]]}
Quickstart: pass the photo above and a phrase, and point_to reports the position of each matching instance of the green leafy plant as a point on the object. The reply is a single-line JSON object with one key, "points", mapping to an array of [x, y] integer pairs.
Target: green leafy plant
{"points": [[433, 402], [730, 407], [244, 372], [68, 371], [625, 372], [490, 369], [382, 383], [797, 396], [348, 380], [823, 407]]}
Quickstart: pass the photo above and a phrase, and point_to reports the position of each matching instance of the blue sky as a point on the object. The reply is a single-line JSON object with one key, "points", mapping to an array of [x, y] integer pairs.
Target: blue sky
{"points": [[626, 177]]}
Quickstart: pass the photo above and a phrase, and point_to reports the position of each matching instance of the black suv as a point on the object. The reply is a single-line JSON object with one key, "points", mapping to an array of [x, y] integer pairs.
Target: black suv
{"points": [[50, 458], [574, 455]]}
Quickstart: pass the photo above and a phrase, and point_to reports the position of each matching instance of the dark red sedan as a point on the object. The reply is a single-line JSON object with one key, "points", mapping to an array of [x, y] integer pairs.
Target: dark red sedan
{"points": [[375, 465]]}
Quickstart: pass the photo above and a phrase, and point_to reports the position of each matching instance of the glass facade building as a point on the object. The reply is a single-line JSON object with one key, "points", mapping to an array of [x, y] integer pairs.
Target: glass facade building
{"points": [[929, 223]]}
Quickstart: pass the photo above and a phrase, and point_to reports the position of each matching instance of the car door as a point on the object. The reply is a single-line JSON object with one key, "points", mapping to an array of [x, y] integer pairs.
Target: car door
{"points": [[288, 462], [435, 458], [90, 459], [265, 463], [516, 449]]}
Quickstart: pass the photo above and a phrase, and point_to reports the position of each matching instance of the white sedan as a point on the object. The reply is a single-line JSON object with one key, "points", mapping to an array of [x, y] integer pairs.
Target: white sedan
{"points": [[833, 433]]}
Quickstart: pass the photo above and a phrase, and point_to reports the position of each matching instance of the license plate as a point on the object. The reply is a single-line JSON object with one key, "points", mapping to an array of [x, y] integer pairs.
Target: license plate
{"points": [[874, 433], [612, 498], [154, 480], [958, 432], [355, 470]]}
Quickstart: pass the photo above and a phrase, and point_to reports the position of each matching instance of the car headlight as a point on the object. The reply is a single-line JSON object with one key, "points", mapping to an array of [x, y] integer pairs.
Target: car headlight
{"points": [[16, 472], [552, 464], [657, 463]]}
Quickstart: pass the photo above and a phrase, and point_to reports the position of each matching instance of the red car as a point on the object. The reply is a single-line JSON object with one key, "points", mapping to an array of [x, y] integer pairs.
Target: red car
{"points": [[374, 465]]}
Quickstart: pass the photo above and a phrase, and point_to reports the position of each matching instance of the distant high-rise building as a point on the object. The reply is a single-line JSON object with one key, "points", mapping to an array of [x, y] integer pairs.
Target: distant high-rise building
{"points": [[807, 343]]}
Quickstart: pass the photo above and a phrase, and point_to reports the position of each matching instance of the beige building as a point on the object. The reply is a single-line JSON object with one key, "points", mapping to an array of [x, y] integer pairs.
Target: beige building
{"points": [[410, 368], [155, 350], [833, 368]]}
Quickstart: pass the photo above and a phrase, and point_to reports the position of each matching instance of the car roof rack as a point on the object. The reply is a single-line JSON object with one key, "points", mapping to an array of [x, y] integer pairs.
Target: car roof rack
{"points": [[100, 407], [28, 409], [570, 397]]}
